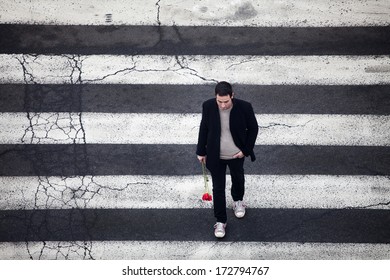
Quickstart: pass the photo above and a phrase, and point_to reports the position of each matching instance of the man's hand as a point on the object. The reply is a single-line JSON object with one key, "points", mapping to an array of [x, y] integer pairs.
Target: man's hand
{"points": [[202, 159], [239, 155]]}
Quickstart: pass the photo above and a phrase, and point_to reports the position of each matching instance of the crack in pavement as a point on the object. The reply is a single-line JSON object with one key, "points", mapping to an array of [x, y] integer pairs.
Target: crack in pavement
{"points": [[180, 64], [243, 62], [54, 127], [379, 204], [285, 125], [158, 12], [75, 192]]}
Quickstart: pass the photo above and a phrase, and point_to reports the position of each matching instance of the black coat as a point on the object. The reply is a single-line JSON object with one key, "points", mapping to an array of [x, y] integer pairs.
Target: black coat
{"points": [[243, 126]]}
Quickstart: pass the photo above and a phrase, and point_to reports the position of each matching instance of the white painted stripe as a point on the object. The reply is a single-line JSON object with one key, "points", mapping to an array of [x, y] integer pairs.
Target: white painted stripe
{"points": [[164, 192], [192, 250], [197, 69], [198, 12], [107, 128]]}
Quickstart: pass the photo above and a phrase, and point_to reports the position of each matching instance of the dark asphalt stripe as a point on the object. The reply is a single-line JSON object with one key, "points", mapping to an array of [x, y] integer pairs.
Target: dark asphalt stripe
{"points": [[180, 40], [275, 99], [93, 159], [261, 225]]}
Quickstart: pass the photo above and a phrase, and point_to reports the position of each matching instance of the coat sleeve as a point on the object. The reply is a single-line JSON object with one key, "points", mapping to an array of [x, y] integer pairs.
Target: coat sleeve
{"points": [[203, 131], [252, 131]]}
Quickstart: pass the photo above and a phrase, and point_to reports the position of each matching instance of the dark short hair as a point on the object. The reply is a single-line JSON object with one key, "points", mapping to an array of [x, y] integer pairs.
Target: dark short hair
{"points": [[223, 89]]}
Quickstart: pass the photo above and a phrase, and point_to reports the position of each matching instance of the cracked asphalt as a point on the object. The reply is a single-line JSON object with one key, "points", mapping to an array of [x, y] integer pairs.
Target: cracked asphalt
{"points": [[66, 172]]}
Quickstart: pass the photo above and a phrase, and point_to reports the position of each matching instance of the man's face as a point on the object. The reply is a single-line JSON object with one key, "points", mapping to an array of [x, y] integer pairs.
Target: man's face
{"points": [[224, 102]]}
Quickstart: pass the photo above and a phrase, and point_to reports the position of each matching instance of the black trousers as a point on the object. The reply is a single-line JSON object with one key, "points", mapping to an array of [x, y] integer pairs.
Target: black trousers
{"points": [[236, 167]]}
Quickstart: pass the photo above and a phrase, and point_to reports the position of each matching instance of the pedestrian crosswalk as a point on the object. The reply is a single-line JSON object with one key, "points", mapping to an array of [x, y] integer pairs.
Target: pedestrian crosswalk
{"points": [[100, 109], [194, 250], [151, 128], [156, 69], [200, 13], [157, 191]]}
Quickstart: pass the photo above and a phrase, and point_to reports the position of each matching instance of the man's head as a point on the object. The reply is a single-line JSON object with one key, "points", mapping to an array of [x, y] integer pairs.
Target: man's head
{"points": [[224, 95]]}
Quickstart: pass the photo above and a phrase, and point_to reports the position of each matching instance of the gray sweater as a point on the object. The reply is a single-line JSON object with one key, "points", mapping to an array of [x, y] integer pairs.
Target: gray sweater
{"points": [[228, 148]]}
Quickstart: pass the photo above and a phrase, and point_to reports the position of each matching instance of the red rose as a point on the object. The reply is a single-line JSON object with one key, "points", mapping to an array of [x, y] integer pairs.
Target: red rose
{"points": [[207, 197]]}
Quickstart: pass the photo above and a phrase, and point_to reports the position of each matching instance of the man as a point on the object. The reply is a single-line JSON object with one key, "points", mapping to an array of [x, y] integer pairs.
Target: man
{"points": [[227, 134]]}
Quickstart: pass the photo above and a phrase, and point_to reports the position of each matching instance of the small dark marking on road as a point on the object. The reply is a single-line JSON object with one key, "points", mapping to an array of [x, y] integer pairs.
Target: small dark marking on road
{"points": [[108, 18]]}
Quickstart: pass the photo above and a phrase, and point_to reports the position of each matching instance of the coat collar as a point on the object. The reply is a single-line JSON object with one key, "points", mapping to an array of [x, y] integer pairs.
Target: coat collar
{"points": [[234, 100]]}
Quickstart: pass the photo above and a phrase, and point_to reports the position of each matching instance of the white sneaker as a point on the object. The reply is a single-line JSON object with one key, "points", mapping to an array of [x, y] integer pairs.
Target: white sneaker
{"points": [[219, 231], [239, 209]]}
